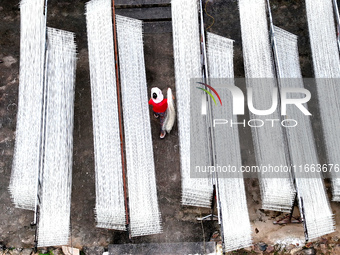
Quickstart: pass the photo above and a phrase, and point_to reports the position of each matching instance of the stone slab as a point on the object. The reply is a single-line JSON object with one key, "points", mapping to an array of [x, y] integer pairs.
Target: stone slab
{"points": [[162, 248]]}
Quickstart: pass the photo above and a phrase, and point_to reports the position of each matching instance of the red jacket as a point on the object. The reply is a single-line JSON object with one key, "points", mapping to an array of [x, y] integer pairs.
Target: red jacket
{"points": [[160, 107]]}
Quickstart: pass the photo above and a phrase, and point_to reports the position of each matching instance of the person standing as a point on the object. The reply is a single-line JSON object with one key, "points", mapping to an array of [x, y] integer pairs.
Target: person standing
{"points": [[159, 105]]}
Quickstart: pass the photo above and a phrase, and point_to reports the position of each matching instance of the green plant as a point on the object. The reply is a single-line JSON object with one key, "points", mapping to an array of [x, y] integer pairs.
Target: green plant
{"points": [[48, 253]]}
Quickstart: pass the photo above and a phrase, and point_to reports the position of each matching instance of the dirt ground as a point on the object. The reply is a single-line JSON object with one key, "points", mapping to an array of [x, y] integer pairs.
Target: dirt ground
{"points": [[179, 222]]}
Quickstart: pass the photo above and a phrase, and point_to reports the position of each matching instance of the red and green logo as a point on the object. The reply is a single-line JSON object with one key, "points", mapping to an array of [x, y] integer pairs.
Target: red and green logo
{"points": [[209, 93]]}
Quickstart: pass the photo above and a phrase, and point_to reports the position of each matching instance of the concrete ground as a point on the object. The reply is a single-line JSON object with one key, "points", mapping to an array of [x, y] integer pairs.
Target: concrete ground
{"points": [[179, 222]]}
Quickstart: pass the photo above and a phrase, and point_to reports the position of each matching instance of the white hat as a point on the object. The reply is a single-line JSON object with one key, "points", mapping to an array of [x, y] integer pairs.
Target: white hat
{"points": [[156, 95]]}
